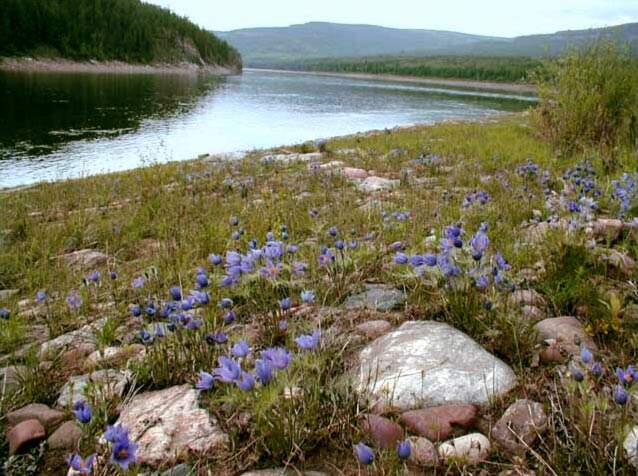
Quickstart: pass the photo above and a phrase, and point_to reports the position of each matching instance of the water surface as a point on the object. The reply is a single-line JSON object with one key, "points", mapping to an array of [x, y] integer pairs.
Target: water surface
{"points": [[55, 126]]}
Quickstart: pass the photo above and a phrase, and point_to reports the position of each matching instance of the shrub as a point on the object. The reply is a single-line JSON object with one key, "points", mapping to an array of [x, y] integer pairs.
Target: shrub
{"points": [[589, 100]]}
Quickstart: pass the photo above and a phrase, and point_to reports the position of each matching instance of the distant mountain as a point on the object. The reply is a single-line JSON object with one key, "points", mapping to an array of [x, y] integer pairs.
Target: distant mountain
{"points": [[280, 45]]}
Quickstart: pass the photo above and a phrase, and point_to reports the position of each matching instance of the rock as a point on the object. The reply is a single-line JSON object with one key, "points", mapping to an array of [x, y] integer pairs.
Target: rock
{"points": [[67, 437], [378, 184], [552, 354], [74, 339], [437, 423], [472, 448], [566, 331], [526, 297], [110, 354], [48, 417], [10, 378], [169, 424], [520, 425], [285, 158], [533, 314], [25, 435], [423, 453], [111, 383], [282, 472], [383, 432], [426, 363], [85, 259], [608, 229], [622, 263], [354, 173], [373, 329], [631, 446], [335, 165], [380, 297], [76, 355], [7, 293]]}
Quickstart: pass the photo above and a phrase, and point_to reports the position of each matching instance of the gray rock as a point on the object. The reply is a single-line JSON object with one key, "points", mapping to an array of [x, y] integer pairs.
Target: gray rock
{"points": [[520, 425], [423, 452], [380, 297], [109, 383], [472, 448], [74, 339], [169, 424], [631, 446], [377, 184], [429, 363], [282, 472], [7, 293], [373, 329], [567, 331], [285, 158], [85, 259], [66, 437]]}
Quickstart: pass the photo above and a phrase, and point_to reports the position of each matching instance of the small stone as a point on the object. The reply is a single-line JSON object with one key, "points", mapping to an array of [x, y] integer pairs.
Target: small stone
{"points": [[85, 259], [437, 423], [373, 329], [380, 297], [282, 472], [353, 173], [527, 297], [66, 437], [48, 417], [383, 432], [567, 331], [631, 446], [532, 313], [520, 425], [423, 452], [378, 184], [472, 448], [111, 383], [25, 435]]}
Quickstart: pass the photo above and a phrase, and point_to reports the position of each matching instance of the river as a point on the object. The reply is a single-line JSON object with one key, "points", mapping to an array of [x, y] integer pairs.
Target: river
{"points": [[63, 125]]}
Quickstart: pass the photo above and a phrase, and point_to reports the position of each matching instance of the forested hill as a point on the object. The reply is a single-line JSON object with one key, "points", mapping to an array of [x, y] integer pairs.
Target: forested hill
{"points": [[125, 30]]}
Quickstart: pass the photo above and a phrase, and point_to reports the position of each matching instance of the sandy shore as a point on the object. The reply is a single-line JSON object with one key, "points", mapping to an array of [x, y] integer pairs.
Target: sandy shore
{"points": [[59, 65], [519, 88]]}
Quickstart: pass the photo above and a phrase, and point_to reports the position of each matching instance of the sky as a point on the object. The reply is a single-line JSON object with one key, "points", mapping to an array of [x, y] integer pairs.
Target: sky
{"points": [[487, 17]]}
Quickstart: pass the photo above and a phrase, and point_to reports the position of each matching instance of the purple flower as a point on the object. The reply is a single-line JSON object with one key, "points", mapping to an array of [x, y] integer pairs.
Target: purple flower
{"points": [[230, 317], [271, 270], [216, 338], [401, 258], [326, 258], [278, 356], [138, 282], [236, 235], [136, 310], [228, 371], [596, 369], [193, 324], [417, 260], [340, 244], [41, 296], [333, 231], [74, 300], [264, 370], [113, 275], [240, 349], [308, 296], [94, 276], [201, 281], [364, 454], [83, 466], [114, 433], [285, 304], [283, 325], [576, 373], [479, 242], [214, 259], [627, 377], [123, 451], [452, 232], [585, 355], [482, 282], [246, 382], [396, 246], [501, 263], [309, 342], [404, 449], [82, 411], [176, 293], [205, 381], [4, 313], [226, 303], [621, 396], [227, 281], [298, 268], [430, 259], [145, 337]]}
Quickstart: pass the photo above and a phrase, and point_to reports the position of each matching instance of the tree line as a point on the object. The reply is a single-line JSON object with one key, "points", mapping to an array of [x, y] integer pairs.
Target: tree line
{"points": [[126, 30]]}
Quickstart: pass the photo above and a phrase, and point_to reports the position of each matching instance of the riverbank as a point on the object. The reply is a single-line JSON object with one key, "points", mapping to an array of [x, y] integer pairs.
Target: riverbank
{"points": [[308, 268], [518, 88], [61, 65]]}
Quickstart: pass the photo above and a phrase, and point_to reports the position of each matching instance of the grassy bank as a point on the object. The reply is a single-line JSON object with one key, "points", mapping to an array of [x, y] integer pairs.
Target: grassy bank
{"points": [[161, 223]]}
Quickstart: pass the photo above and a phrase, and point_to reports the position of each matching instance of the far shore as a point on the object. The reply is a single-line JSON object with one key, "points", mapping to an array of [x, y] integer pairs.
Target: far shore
{"points": [[520, 88], [60, 65]]}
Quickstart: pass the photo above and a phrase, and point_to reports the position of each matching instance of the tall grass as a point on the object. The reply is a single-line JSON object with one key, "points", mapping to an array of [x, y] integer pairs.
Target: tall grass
{"points": [[589, 100]]}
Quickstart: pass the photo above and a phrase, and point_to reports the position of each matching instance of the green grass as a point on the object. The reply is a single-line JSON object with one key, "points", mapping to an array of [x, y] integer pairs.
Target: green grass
{"points": [[185, 209]]}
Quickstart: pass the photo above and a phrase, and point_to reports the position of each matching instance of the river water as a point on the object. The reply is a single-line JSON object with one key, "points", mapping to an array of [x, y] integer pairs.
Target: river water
{"points": [[61, 125]]}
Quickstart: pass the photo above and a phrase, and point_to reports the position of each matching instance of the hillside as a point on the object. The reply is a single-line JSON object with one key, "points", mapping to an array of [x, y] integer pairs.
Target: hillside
{"points": [[124, 30], [267, 47]]}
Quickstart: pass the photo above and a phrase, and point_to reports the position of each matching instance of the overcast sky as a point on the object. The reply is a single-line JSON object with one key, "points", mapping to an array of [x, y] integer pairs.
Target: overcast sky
{"points": [[488, 17]]}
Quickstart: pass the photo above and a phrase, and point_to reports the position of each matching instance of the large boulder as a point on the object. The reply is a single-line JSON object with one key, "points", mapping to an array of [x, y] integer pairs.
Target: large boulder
{"points": [[631, 446], [427, 363], [169, 424]]}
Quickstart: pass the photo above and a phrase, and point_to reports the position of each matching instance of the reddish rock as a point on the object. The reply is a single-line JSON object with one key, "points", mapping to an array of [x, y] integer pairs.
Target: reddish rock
{"points": [[35, 411], [66, 437], [565, 330], [384, 432], [373, 329], [25, 435], [437, 424], [423, 453], [520, 425]]}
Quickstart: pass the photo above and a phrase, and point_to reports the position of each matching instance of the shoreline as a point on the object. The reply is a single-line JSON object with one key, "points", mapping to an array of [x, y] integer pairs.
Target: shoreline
{"points": [[61, 65], [459, 83]]}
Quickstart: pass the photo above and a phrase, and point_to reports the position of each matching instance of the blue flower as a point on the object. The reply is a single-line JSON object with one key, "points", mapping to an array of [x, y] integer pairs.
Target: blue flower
{"points": [[228, 371], [216, 338], [264, 370], [41, 296], [136, 310], [585, 355], [114, 433], [240, 349], [234, 221], [482, 282], [364, 454], [74, 300], [430, 259], [246, 382], [401, 258], [479, 242], [621, 396], [123, 451], [332, 231], [226, 303], [138, 282], [340, 244], [278, 356], [205, 381], [230, 317], [145, 337], [501, 263], [404, 449], [236, 235], [627, 377], [285, 304], [176, 293], [201, 281], [83, 466], [309, 342], [214, 259], [576, 372], [82, 411], [596, 369], [308, 296], [4, 313], [396, 246], [94, 276], [113, 275]]}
